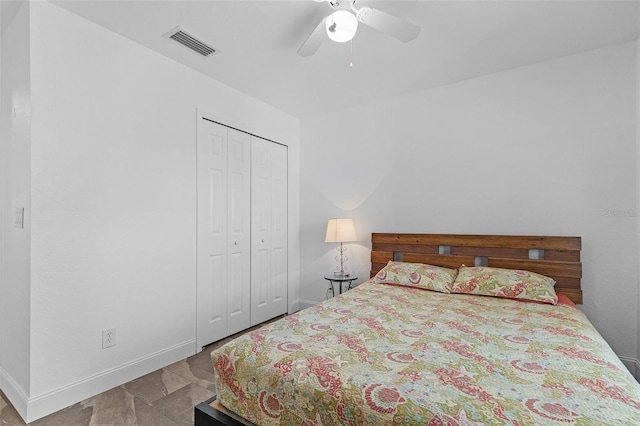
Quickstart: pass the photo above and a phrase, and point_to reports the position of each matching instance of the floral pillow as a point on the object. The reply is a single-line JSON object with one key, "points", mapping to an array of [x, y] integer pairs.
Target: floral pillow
{"points": [[418, 275], [507, 283]]}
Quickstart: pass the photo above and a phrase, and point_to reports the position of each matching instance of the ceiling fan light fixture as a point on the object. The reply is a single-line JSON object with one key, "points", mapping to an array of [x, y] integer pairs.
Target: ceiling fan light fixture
{"points": [[341, 25]]}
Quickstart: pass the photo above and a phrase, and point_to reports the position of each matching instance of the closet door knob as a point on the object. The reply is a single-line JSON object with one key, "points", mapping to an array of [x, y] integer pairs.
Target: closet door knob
{"points": [[263, 240], [236, 243]]}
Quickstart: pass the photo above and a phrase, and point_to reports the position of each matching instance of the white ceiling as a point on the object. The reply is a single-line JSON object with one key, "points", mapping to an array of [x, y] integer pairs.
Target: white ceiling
{"points": [[258, 41]]}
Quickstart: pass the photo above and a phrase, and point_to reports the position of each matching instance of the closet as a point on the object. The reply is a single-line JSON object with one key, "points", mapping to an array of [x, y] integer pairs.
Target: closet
{"points": [[241, 231]]}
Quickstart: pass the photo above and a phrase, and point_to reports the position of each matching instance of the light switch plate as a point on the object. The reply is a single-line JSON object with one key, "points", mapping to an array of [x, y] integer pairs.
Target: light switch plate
{"points": [[19, 220]]}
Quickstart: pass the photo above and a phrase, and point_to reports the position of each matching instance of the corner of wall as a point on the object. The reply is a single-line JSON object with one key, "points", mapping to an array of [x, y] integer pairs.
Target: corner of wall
{"points": [[637, 362], [2, 191], [14, 393], [15, 181]]}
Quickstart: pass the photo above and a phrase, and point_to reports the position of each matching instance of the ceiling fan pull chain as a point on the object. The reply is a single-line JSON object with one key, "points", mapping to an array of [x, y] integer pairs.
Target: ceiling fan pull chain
{"points": [[351, 52]]}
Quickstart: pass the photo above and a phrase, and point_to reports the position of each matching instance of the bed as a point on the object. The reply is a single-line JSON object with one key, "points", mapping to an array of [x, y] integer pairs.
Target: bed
{"points": [[396, 353]]}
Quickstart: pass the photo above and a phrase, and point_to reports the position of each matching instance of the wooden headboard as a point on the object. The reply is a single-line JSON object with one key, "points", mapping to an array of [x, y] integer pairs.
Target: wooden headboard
{"points": [[555, 257]]}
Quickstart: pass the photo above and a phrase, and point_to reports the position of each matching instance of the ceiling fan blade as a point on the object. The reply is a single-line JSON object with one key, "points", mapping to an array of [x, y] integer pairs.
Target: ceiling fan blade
{"points": [[388, 24], [312, 43]]}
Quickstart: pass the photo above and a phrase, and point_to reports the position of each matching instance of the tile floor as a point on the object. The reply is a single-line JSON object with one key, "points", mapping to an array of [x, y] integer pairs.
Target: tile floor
{"points": [[165, 397]]}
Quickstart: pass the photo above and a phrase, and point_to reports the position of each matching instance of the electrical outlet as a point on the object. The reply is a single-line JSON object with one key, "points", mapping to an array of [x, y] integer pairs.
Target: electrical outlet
{"points": [[108, 337]]}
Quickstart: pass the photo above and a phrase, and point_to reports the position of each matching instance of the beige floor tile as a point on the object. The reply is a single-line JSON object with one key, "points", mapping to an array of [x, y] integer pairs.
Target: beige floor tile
{"points": [[155, 385], [200, 377], [202, 360], [115, 406], [150, 416], [179, 405]]}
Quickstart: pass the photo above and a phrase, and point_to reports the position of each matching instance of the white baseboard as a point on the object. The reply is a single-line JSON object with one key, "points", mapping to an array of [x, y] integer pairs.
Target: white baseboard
{"points": [[304, 304], [633, 365], [36, 407], [293, 307], [14, 393]]}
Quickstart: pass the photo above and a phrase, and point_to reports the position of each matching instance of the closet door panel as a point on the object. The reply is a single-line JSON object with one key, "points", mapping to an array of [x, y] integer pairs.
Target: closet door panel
{"points": [[260, 232], [215, 305], [269, 230], [212, 236], [260, 266], [278, 287], [279, 223], [239, 231]]}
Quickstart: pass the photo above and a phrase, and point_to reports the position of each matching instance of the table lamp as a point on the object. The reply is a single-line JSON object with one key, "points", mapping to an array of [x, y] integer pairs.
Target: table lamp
{"points": [[340, 231]]}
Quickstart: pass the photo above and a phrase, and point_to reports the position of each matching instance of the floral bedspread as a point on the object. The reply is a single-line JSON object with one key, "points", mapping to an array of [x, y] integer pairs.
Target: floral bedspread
{"points": [[380, 355]]}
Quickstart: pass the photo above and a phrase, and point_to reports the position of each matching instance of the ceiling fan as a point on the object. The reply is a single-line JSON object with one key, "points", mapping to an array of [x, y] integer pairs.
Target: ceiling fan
{"points": [[341, 25]]}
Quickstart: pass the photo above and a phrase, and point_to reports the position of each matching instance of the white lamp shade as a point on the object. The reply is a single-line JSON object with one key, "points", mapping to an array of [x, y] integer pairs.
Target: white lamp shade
{"points": [[341, 25], [340, 231]]}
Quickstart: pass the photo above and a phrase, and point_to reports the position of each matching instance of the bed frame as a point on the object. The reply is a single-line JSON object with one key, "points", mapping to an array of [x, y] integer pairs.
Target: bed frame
{"points": [[554, 256]]}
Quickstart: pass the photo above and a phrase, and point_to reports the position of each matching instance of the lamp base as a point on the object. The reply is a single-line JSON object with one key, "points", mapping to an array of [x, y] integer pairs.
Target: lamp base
{"points": [[339, 274]]}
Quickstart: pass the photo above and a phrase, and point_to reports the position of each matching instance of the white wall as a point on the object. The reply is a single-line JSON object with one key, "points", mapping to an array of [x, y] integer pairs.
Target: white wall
{"points": [[15, 145], [113, 190], [547, 149], [636, 368]]}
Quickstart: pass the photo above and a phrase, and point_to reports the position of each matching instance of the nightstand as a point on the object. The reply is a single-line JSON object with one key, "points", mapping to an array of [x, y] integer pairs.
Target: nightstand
{"points": [[340, 280]]}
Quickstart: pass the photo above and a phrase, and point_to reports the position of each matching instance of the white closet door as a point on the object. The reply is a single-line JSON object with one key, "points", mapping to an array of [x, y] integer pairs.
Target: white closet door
{"points": [[223, 232], [212, 210], [269, 230], [260, 218], [279, 223], [239, 229]]}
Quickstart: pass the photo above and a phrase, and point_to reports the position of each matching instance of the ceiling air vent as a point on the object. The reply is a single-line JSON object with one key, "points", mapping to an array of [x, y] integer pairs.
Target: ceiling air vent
{"points": [[187, 40]]}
